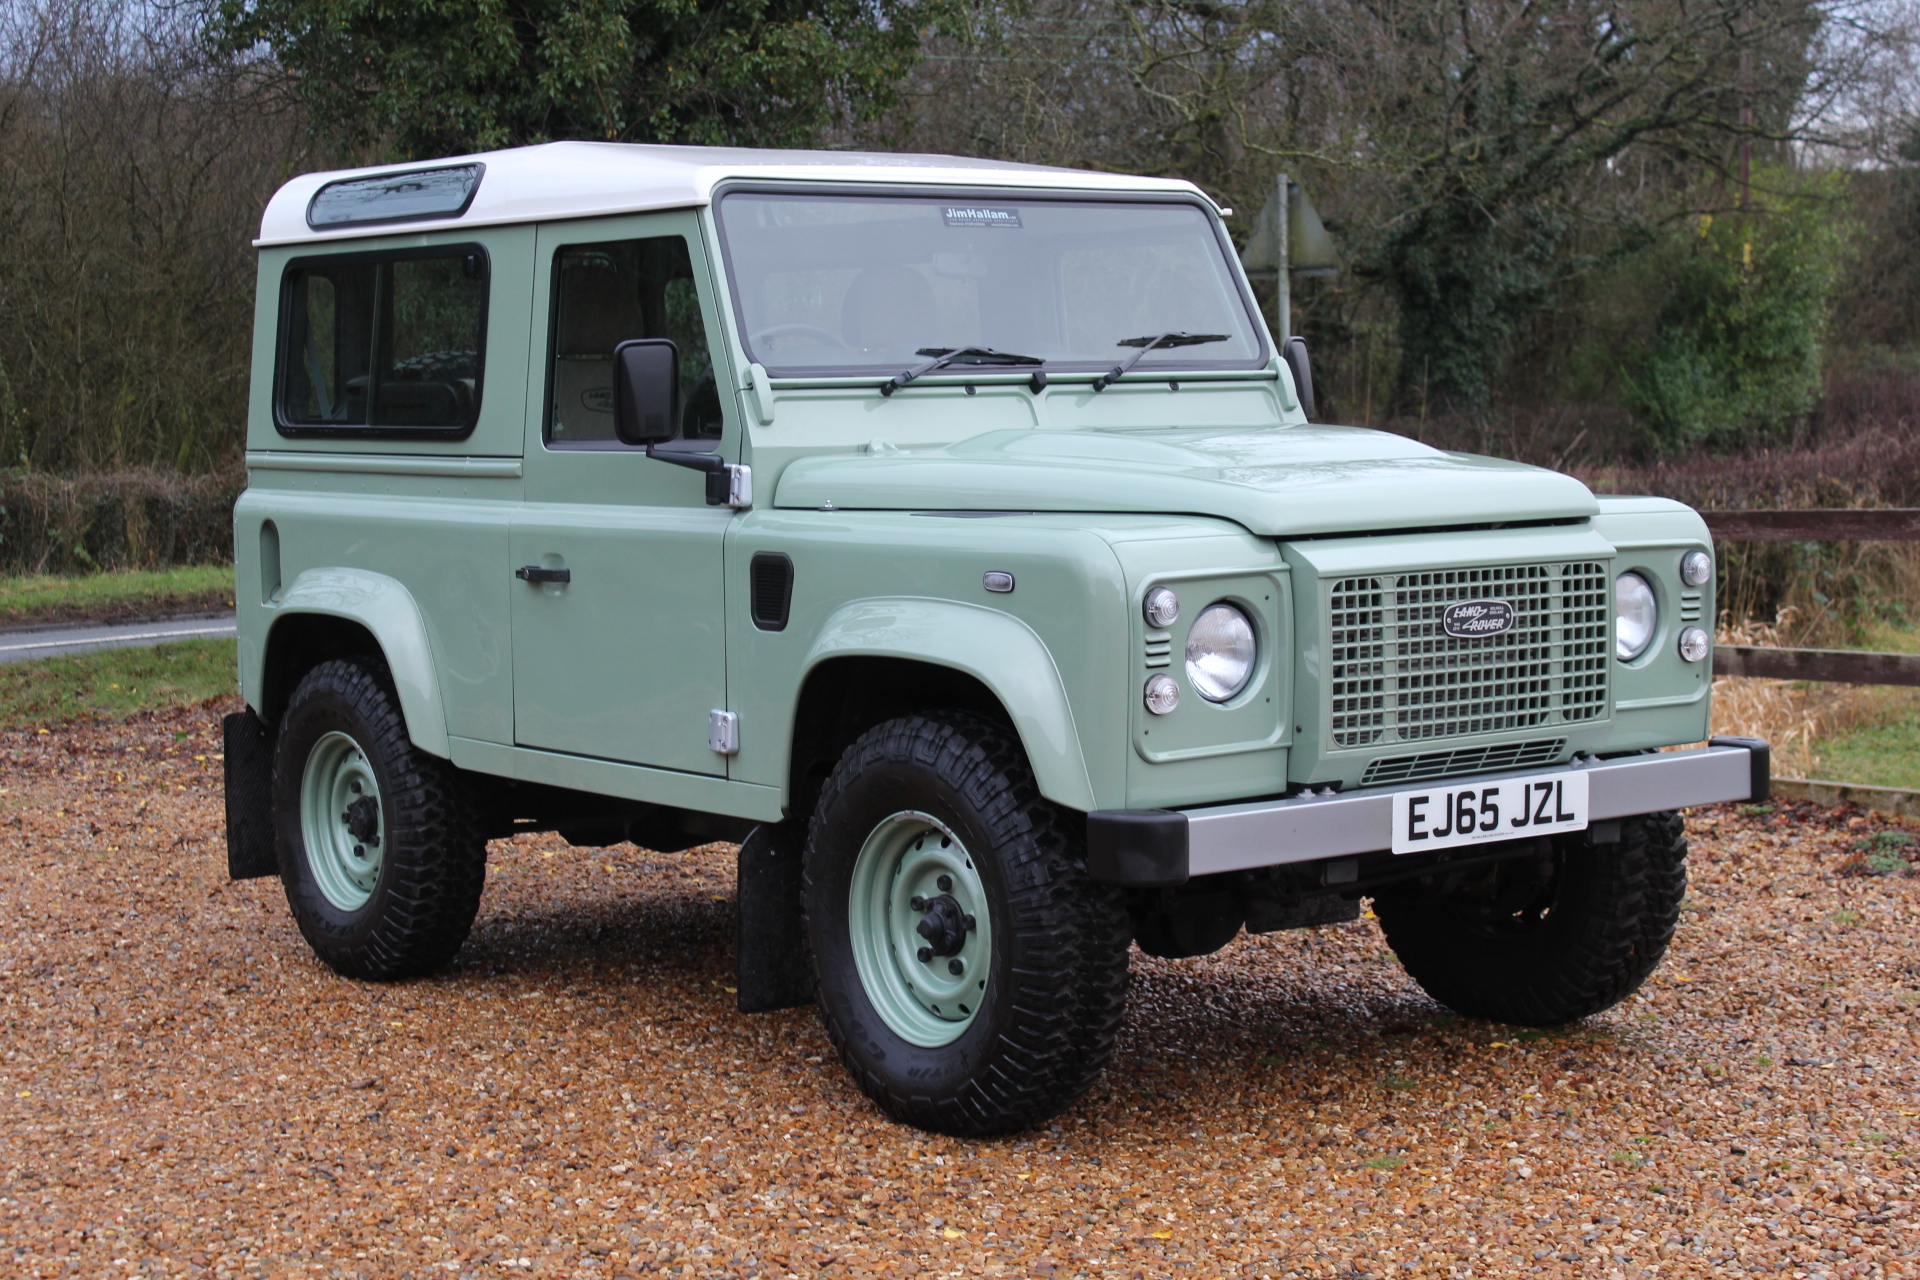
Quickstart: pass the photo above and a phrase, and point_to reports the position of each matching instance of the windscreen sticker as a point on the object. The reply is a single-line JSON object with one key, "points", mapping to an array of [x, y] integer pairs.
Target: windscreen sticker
{"points": [[977, 215]]}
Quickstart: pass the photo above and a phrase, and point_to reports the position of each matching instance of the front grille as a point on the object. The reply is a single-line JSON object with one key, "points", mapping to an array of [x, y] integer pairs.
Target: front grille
{"points": [[1451, 764], [1396, 676]]}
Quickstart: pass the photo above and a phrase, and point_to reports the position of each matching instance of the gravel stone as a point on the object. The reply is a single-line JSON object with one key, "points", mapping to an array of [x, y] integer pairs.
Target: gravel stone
{"points": [[184, 1090]]}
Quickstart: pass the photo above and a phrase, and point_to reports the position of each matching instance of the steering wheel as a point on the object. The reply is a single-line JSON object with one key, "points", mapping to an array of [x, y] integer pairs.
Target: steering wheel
{"points": [[774, 332]]}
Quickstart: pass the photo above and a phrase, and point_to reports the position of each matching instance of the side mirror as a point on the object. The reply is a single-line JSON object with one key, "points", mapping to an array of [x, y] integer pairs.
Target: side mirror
{"points": [[1295, 354], [646, 390]]}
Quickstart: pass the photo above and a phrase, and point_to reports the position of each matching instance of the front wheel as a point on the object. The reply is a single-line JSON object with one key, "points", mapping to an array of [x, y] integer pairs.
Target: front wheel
{"points": [[382, 867], [970, 973], [1546, 940]]}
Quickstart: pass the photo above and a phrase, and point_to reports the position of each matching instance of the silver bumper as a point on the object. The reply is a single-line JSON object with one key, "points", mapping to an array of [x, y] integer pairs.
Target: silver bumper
{"points": [[1160, 847]]}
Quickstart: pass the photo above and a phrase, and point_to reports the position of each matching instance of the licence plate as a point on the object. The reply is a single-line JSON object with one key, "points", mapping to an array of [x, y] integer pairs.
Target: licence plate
{"points": [[1512, 809]]}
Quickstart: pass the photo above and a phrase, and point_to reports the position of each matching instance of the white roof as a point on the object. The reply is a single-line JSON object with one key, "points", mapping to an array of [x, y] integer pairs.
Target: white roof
{"points": [[584, 179]]}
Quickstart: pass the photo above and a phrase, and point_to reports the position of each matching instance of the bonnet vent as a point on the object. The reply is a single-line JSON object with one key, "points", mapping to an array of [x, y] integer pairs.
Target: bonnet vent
{"points": [[772, 583]]}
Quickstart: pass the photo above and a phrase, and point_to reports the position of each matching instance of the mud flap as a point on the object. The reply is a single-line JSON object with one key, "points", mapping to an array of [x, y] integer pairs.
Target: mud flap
{"points": [[249, 787], [776, 966]]}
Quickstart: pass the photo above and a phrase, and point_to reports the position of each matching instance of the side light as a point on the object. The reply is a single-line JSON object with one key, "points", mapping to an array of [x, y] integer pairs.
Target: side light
{"points": [[1696, 568], [1162, 695], [1694, 644], [1162, 607]]}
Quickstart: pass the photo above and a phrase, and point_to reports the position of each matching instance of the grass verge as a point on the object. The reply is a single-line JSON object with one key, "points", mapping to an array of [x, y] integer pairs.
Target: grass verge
{"points": [[115, 683], [1886, 754], [125, 595]]}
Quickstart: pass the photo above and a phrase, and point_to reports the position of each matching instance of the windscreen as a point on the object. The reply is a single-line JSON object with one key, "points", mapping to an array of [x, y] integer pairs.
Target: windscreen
{"points": [[854, 284]]}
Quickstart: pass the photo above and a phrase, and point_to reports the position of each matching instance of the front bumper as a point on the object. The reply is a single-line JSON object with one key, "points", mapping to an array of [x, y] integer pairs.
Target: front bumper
{"points": [[1148, 848]]}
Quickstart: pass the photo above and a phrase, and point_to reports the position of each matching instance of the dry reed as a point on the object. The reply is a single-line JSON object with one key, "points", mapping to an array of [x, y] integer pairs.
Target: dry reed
{"points": [[1792, 715]]}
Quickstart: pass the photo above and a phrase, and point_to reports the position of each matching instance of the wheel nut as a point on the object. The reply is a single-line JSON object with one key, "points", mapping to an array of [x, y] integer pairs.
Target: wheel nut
{"points": [[926, 955], [945, 883], [956, 967], [970, 924], [359, 851], [918, 903]]}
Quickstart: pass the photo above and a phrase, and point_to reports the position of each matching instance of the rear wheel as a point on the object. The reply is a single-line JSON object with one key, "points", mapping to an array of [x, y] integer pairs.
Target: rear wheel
{"points": [[1546, 940], [970, 973], [382, 866]]}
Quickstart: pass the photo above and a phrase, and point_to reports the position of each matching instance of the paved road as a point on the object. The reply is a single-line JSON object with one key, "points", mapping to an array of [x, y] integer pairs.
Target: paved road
{"points": [[23, 646]]}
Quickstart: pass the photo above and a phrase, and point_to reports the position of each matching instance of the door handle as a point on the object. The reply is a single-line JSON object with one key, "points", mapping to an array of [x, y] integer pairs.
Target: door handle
{"points": [[535, 573]]}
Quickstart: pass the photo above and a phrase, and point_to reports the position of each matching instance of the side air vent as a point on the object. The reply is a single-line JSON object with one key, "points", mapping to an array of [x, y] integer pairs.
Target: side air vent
{"points": [[772, 582]]}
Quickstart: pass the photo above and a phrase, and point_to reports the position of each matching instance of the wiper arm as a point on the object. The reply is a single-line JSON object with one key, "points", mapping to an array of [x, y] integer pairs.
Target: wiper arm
{"points": [[944, 356], [1114, 374]]}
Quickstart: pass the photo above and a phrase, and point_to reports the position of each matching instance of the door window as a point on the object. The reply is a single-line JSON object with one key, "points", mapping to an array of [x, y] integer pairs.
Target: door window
{"points": [[603, 295]]}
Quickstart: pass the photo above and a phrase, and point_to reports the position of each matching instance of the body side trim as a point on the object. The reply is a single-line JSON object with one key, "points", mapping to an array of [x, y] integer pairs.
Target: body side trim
{"points": [[383, 464], [387, 609], [699, 792]]}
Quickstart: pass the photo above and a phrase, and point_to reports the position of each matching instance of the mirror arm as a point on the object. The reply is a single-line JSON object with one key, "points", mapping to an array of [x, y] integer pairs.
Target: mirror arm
{"points": [[727, 486]]}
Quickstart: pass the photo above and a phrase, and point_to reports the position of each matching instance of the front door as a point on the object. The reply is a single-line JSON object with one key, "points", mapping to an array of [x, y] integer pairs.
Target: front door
{"points": [[626, 658]]}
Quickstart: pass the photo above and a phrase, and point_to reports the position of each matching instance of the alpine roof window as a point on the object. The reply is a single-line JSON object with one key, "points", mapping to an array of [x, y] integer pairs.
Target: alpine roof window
{"points": [[395, 197], [383, 343]]}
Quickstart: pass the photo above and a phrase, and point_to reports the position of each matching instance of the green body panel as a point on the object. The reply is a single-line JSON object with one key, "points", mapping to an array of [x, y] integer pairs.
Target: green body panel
{"points": [[891, 510], [1658, 699], [626, 661], [1201, 748], [881, 584], [499, 429], [428, 515], [1287, 482]]}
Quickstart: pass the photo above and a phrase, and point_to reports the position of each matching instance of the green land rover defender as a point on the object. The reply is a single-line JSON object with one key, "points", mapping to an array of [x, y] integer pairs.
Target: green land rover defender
{"points": [[953, 536]]}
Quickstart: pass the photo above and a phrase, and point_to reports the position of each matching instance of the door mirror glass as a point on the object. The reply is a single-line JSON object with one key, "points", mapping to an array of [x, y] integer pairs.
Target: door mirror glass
{"points": [[646, 390], [1295, 354]]}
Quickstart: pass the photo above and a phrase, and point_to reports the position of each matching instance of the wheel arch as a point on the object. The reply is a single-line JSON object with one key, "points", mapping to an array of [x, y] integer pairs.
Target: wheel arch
{"points": [[876, 659], [335, 613]]}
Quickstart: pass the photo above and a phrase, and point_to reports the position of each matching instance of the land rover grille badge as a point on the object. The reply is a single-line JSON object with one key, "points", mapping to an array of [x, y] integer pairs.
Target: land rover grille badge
{"points": [[1477, 619]]}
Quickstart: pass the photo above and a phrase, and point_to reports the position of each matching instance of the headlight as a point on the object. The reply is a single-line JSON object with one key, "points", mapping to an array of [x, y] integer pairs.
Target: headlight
{"points": [[1693, 644], [1635, 616], [1695, 568], [1220, 652]]}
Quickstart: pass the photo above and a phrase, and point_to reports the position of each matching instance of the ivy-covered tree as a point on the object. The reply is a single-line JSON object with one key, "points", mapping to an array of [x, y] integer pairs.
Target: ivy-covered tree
{"points": [[447, 76]]}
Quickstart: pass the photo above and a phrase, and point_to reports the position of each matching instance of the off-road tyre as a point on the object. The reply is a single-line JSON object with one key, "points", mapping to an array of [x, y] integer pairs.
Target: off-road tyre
{"points": [[1056, 993], [433, 869], [1583, 943]]}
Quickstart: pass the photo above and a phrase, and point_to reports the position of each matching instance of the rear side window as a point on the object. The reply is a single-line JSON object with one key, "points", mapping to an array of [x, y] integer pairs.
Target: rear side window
{"points": [[378, 344]]}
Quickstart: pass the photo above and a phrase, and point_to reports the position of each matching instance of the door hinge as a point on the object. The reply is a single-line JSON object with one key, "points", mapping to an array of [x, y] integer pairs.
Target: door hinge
{"points": [[723, 732], [730, 485]]}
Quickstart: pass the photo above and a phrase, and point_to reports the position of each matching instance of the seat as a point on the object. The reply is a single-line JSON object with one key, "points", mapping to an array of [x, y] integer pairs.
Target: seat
{"points": [[598, 311]]}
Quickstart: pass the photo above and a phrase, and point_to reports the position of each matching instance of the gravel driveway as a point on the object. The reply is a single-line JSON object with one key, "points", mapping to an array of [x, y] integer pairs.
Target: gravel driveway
{"points": [[184, 1090]]}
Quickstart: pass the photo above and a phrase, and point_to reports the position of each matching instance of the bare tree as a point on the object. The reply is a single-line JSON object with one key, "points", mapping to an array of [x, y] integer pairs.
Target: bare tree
{"points": [[1474, 156], [132, 174]]}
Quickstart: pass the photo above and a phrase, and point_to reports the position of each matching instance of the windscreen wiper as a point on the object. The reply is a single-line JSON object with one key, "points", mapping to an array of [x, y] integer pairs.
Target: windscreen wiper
{"points": [[1113, 375], [944, 356]]}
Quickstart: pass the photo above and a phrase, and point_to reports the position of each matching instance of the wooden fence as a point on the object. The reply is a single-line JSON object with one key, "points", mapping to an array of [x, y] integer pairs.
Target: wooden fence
{"points": [[1842, 666]]}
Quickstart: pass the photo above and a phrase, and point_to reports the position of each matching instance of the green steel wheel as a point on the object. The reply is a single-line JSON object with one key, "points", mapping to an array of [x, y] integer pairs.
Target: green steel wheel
{"points": [[340, 821], [381, 861], [969, 971], [921, 932]]}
